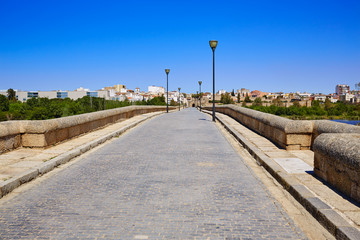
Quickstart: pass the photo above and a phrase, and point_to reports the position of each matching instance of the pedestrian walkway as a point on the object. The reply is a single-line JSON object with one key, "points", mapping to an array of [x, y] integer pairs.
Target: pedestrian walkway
{"points": [[173, 177]]}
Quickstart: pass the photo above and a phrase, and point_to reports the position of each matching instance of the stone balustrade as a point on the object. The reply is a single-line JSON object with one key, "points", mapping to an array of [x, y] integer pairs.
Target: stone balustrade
{"points": [[336, 145], [42, 133], [326, 126], [286, 133], [337, 161]]}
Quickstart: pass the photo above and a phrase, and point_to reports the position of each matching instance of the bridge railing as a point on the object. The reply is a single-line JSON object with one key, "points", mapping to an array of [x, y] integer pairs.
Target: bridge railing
{"points": [[336, 146], [43, 133], [286, 133]]}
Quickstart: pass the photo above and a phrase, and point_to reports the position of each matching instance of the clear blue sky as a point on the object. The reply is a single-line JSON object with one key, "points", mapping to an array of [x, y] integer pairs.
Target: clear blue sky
{"points": [[295, 45]]}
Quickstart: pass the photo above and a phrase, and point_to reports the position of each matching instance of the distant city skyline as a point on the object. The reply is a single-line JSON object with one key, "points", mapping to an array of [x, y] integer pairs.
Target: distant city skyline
{"points": [[269, 46]]}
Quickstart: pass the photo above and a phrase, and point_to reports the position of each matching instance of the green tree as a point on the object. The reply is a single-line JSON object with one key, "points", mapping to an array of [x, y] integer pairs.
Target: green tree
{"points": [[3, 116], [247, 99], [157, 101], [226, 99], [32, 102], [328, 104], [238, 97], [315, 103], [173, 103], [11, 95], [277, 102], [15, 111], [4, 103], [257, 102], [39, 113], [233, 93]]}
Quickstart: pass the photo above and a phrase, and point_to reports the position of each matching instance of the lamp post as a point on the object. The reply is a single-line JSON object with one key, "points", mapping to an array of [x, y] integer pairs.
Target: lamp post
{"points": [[179, 98], [197, 99], [167, 89], [200, 82], [213, 44]]}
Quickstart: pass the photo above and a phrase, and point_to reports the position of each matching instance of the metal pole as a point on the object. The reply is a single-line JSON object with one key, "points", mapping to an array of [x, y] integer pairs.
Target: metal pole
{"points": [[167, 92], [179, 100], [200, 97], [213, 84], [197, 99]]}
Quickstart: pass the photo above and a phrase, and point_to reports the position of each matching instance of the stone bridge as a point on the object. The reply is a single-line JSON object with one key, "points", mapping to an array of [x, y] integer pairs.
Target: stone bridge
{"points": [[178, 176]]}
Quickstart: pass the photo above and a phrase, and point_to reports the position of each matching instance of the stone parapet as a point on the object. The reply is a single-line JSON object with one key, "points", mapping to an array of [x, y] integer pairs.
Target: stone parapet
{"points": [[286, 133], [326, 126], [337, 161], [42, 133]]}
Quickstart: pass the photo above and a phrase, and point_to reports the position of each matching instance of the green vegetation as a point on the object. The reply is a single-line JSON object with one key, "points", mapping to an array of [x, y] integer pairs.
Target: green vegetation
{"points": [[44, 108], [318, 110], [173, 103], [257, 102], [226, 99], [247, 99]]}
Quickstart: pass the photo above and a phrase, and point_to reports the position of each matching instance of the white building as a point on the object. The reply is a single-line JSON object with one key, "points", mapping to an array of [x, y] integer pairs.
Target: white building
{"points": [[81, 89], [243, 92], [156, 90], [222, 91], [347, 97], [304, 94], [320, 97]]}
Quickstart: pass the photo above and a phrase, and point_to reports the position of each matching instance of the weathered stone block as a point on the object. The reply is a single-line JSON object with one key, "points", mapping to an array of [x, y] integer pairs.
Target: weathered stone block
{"points": [[33, 140], [337, 161], [300, 139]]}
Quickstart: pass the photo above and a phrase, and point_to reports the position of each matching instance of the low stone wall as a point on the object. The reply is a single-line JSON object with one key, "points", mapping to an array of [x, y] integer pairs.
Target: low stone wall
{"points": [[10, 135], [42, 133], [286, 133], [336, 145], [326, 126], [337, 161]]}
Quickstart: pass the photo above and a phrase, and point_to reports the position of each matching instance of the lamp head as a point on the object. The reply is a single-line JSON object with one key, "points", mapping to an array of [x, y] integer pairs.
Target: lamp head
{"points": [[167, 71], [213, 44]]}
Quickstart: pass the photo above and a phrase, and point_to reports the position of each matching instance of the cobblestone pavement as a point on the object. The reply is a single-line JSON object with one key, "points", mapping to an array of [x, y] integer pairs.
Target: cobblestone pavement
{"points": [[174, 177]]}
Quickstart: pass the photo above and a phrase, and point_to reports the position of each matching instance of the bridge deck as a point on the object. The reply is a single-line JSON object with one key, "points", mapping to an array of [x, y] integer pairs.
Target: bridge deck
{"points": [[175, 176]]}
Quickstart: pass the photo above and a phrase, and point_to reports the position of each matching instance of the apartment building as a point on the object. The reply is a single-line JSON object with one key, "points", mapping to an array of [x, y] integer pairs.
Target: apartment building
{"points": [[342, 89]]}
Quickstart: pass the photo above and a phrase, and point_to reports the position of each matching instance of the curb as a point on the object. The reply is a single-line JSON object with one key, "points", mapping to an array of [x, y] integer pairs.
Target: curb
{"points": [[323, 213], [11, 184]]}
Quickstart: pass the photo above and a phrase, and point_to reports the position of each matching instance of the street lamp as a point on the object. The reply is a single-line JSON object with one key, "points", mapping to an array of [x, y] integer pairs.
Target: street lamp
{"points": [[197, 99], [213, 44], [179, 98], [200, 82], [167, 89]]}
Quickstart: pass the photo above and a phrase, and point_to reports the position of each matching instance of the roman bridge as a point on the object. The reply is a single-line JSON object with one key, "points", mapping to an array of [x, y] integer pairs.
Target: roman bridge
{"points": [[140, 173]]}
